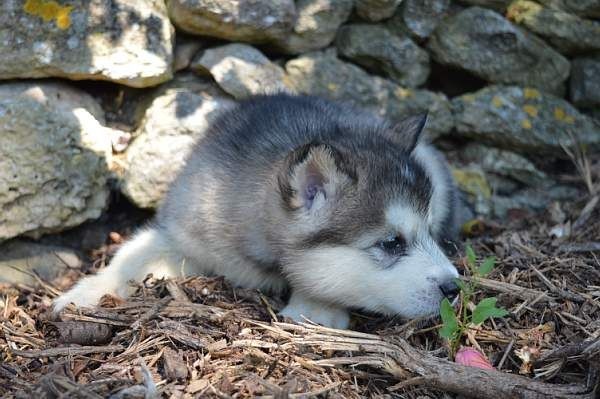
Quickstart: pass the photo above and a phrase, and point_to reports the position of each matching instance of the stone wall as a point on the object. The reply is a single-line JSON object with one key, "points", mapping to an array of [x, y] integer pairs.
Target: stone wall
{"points": [[509, 85]]}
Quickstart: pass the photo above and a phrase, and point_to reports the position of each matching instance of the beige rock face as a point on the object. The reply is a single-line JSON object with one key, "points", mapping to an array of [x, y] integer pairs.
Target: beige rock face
{"points": [[241, 70], [250, 21], [53, 158], [315, 26], [174, 120], [125, 41]]}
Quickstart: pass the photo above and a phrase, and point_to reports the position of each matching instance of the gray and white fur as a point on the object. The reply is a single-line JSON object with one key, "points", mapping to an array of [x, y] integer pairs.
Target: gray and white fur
{"points": [[298, 192]]}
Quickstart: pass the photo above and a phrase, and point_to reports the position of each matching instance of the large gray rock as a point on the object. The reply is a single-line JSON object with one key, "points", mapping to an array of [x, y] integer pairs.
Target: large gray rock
{"points": [[533, 199], [172, 122], [53, 158], [585, 81], [381, 51], [419, 18], [487, 45], [506, 164], [524, 120], [252, 21], [490, 192], [323, 74], [376, 10], [584, 8], [316, 25], [125, 41], [240, 70], [566, 32], [20, 260]]}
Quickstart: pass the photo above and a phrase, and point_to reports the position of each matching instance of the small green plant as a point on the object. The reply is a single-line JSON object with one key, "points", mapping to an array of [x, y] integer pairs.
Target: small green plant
{"points": [[455, 325]]}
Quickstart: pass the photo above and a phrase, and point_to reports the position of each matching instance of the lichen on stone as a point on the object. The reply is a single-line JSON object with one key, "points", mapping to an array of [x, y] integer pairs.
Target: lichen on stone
{"points": [[530, 110], [531, 93], [50, 10], [472, 182]]}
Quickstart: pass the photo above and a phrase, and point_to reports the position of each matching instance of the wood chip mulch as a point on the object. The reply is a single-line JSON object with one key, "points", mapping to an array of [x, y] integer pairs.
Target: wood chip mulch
{"points": [[199, 337]]}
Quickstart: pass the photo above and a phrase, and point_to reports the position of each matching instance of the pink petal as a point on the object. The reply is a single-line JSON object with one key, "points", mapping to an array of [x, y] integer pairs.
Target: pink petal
{"points": [[469, 356]]}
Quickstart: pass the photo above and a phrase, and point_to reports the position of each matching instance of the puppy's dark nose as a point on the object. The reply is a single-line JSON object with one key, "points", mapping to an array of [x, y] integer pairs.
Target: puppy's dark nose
{"points": [[449, 289]]}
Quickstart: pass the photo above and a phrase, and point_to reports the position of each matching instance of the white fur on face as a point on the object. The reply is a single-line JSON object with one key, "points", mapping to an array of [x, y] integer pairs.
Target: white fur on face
{"points": [[352, 277], [402, 219]]}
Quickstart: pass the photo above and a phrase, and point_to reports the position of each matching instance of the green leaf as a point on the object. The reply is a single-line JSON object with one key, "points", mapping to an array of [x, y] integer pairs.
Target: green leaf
{"points": [[471, 258], [486, 267], [450, 323], [461, 284], [487, 309]]}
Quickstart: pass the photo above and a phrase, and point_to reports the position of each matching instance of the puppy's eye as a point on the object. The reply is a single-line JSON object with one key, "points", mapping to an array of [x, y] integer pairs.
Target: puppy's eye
{"points": [[395, 245]]}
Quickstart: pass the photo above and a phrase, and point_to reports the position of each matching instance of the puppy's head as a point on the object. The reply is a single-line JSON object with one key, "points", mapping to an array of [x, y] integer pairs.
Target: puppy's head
{"points": [[358, 225]]}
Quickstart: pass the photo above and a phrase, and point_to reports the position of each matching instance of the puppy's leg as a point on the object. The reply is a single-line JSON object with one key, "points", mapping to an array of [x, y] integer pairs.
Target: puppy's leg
{"points": [[147, 252], [318, 312]]}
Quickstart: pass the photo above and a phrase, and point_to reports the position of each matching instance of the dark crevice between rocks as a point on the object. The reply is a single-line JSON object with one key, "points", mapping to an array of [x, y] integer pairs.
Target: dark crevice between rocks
{"points": [[451, 81], [118, 102], [122, 216]]}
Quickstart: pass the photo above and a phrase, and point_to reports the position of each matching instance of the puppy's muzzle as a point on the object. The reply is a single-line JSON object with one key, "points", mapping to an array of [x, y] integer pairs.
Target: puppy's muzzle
{"points": [[449, 290]]}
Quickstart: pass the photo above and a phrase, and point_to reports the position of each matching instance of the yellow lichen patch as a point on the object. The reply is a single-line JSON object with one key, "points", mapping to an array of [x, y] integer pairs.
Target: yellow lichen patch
{"points": [[403, 93], [521, 10], [526, 124], [531, 110], [332, 87], [497, 101], [50, 10], [63, 18], [531, 94], [561, 115], [472, 182]]}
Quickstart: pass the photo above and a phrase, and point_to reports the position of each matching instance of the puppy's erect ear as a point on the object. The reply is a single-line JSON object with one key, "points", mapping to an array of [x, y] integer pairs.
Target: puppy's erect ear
{"points": [[408, 132], [313, 177]]}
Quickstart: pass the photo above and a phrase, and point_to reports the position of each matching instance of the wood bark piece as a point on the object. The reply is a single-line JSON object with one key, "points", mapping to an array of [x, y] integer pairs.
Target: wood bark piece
{"points": [[83, 333], [66, 351]]}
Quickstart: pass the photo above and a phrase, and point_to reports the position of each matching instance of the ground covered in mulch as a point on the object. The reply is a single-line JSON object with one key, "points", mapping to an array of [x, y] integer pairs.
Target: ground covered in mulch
{"points": [[199, 337]]}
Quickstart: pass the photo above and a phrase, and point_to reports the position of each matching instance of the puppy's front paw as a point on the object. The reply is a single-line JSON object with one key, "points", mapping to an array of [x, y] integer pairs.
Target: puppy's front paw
{"points": [[86, 292], [301, 308]]}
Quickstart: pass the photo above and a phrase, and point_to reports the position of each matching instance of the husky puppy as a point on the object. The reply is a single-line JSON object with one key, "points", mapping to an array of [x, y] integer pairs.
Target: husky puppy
{"points": [[298, 192]]}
